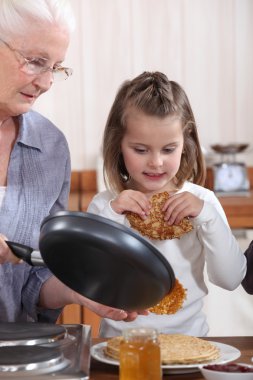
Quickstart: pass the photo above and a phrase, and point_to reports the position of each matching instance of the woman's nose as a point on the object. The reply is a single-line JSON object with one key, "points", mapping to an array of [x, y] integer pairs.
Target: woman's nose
{"points": [[44, 80]]}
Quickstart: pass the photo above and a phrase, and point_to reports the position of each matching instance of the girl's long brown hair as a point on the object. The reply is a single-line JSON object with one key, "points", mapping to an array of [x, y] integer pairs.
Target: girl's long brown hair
{"points": [[153, 94]]}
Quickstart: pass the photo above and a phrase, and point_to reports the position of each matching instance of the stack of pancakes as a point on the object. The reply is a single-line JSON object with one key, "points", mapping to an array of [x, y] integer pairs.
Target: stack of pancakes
{"points": [[175, 349], [154, 226]]}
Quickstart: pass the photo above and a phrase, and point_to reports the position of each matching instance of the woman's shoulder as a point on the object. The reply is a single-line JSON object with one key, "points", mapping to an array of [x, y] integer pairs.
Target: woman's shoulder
{"points": [[32, 116], [39, 131], [34, 120]]}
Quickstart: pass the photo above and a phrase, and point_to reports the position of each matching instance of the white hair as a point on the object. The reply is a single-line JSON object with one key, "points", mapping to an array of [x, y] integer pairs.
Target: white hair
{"points": [[16, 16]]}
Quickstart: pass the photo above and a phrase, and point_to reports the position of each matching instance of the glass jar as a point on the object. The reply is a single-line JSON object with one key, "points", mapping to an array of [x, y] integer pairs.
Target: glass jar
{"points": [[140, 356]]}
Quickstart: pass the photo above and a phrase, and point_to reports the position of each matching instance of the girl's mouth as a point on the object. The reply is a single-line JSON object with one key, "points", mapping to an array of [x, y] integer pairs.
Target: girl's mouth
{"points": [[154, 176]]}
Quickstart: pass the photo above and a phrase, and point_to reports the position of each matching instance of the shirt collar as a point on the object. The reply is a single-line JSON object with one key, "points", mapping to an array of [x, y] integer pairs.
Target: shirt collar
{"points": [[28, 133]]}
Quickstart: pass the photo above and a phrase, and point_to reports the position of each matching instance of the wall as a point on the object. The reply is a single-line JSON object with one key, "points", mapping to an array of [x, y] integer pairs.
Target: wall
{"points": [[206, 45]]}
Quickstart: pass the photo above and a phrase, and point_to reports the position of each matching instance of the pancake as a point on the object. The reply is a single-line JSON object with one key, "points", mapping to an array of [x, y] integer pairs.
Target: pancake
{"points": [[172, 302], [154, 226]]}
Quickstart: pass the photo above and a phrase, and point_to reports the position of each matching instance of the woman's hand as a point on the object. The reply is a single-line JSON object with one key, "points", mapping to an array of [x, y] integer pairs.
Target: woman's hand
{"points": [[6, 255], [132, 315], [54, 294], [182, 205], [131, 200], [107, 311]]}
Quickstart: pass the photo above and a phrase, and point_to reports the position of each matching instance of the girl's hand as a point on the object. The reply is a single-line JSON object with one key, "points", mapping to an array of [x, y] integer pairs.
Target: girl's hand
{"points": [[182, 205], [131, 200], [6, 255]]}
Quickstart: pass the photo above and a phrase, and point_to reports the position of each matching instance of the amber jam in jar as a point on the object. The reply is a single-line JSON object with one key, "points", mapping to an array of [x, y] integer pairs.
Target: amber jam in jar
{"points": [[140, 355]]}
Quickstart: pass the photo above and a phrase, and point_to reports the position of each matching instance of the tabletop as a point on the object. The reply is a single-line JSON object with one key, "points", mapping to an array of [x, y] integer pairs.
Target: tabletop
{"points": [[103, 371]]}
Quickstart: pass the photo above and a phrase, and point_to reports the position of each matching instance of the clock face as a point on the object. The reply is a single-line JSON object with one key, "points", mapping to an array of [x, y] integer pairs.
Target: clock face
{"points": [[230, 177]]}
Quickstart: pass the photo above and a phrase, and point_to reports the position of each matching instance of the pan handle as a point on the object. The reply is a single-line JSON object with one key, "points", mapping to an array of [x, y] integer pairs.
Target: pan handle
{"points": [[26, 253]]}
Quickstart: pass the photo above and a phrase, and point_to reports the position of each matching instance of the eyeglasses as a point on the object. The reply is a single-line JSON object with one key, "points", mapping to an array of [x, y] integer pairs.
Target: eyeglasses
{"points": [[37, 65]]}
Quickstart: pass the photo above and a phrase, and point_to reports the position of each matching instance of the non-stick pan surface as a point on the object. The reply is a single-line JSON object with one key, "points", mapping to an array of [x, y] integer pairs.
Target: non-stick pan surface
{"points": [[104, 260]]}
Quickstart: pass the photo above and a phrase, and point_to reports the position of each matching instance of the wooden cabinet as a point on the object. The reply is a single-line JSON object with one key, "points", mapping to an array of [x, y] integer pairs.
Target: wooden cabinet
{"points": [[238, 209], [72, 314]]}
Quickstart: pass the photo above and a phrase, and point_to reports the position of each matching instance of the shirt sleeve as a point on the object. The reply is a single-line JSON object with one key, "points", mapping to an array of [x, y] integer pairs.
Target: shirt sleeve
{"points": [[226, 264], [31, 293], [101, 205], [247, 282]]}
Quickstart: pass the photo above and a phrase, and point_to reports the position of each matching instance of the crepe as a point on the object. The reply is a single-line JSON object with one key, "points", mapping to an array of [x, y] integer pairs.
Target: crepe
{"points": [[154, 226], [175, 349], [172, 302]]}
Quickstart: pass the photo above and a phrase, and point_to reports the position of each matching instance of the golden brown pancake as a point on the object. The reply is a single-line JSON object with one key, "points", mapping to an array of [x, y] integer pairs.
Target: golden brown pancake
{"points": [[172, 302], [154, 226]]}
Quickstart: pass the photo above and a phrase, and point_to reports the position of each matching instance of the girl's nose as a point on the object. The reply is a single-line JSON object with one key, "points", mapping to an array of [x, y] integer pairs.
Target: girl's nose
{"points": [[155, 160]]}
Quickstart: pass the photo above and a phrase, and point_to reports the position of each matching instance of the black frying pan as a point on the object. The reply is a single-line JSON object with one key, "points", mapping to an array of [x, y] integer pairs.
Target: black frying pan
{"points": [[101, 259]]}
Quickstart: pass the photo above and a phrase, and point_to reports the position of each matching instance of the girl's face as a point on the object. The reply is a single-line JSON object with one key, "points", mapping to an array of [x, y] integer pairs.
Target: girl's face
{"points": [[152, 148], [19, 90]]}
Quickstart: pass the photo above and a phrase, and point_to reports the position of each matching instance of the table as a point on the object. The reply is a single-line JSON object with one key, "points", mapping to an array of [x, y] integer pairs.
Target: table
{"points": [[102, 371]]}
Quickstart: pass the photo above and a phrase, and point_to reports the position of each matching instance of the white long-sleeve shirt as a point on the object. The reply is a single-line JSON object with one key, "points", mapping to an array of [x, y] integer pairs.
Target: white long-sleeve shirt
{"points": [[211, 241]]}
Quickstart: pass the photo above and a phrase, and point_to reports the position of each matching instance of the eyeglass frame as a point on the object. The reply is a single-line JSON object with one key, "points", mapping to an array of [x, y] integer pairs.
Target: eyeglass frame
{"points": [[67, 70]]}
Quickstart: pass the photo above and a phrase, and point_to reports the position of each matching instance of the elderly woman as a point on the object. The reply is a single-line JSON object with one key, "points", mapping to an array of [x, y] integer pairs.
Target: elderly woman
{"points": [[34, 156]]}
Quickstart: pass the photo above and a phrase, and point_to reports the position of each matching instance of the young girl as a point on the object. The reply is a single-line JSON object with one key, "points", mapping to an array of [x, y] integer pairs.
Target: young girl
{"points": [[150, 146]]}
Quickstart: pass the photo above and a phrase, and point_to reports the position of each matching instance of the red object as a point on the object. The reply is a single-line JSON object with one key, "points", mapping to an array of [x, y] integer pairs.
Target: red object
{"points": [[231, 367]]}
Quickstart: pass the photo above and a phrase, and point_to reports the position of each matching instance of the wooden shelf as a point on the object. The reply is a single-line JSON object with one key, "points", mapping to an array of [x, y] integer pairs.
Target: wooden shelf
{"points": [[238, 209]]}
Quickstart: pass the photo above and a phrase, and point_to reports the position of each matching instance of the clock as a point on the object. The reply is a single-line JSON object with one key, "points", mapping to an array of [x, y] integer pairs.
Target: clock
{"points": [[230, 177]]}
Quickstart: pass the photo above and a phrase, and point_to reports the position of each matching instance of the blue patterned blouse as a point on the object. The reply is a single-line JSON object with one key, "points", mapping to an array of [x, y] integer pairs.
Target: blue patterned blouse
{"points": [[38, 183]]}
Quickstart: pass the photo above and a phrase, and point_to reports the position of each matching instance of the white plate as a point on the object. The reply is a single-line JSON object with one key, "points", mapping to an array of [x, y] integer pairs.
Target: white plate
{"points": [[227, 354]]}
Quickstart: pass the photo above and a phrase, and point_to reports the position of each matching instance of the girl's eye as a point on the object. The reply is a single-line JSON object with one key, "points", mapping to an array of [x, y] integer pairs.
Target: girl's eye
{"points": [[168, 150], [140, 150]]}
